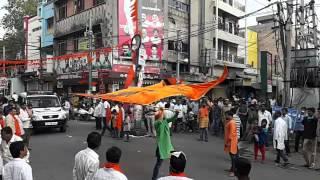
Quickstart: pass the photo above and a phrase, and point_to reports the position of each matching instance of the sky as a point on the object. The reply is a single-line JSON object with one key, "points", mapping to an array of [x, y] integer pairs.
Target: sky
{"points": [[252, 5]]}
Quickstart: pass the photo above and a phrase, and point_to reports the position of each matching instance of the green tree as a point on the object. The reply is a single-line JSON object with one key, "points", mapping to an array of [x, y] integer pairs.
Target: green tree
{"points": [[12, 22]]}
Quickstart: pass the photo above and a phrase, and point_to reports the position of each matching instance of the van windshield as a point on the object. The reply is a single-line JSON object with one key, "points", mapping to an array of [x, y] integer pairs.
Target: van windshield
{"points": [[43, 102]]}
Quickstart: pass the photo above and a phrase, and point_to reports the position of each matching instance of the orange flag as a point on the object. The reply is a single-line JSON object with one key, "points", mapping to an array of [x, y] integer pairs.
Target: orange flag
{"points": [[150, 94], [130, 77]]}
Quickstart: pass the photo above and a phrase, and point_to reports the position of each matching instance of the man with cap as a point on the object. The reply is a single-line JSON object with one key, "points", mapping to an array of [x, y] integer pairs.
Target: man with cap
{"points": [[178, 162]]}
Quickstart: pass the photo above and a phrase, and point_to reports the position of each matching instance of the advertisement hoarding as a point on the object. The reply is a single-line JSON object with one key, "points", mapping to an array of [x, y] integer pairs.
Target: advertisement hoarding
{"points": [[151, 28]]}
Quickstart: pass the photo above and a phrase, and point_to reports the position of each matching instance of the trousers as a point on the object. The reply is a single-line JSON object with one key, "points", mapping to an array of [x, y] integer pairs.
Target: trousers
{"points": [[157, 165], [308, 150], [262, 149], [204, 132]]}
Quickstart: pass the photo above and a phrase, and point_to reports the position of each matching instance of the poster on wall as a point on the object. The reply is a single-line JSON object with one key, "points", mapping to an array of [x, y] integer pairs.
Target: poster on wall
{"points": [[151, 27]]}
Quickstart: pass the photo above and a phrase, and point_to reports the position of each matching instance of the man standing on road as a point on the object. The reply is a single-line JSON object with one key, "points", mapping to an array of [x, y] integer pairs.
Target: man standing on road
{"points": [[111, 169], [18, 168], [309, 135], [106, 117], [164, 146], [87, 161], [298, 128], [26, 122], [97, 114], [288, 120], [14, 122], [178, 163], [231, 140], [203, 120], [264, 114], [279, 136]]}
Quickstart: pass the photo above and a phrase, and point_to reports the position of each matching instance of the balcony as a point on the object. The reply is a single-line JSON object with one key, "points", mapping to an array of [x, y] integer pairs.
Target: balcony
{"points": [[230, 60], [77, 22], [172, 56], [233, 7]]}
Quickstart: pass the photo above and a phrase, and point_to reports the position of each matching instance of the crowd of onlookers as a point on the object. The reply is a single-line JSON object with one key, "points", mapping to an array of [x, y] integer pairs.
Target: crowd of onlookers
{"points": [[15, 126]]}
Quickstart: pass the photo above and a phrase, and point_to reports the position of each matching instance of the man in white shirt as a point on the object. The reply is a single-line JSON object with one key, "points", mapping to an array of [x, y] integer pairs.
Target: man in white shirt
{"points": [[178, 162], [107, 118], [15, 97], [288, 121], [97, 114], [87, 161], [8, 138], [280, 134], [161, 104], [26, 122], [111, 169], [178, 108], [264, 114], [18, 168]]}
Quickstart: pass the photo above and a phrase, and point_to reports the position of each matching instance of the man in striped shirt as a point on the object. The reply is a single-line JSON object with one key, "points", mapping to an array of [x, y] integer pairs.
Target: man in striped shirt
{"points": [[87, 160]]}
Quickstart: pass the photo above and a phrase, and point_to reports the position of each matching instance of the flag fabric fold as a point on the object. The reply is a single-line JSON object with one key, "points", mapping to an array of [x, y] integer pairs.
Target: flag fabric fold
{"points": [[150, 94]]}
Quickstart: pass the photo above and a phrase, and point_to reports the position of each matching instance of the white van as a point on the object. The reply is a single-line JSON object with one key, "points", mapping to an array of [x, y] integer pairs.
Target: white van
{"points": [[47, 112]]}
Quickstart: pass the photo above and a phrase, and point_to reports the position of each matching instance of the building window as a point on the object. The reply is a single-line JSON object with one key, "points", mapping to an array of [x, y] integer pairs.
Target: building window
{"points": [[98, 41], [171, 45], [97, 2], [62, 11], [62, 48], [36, 29], [79, 5], [230, 27], [50, 25], [76, 45]]}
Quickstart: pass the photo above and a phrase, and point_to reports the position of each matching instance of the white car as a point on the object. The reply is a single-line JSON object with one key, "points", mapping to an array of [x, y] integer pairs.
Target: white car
{"points": [[47, 112]]}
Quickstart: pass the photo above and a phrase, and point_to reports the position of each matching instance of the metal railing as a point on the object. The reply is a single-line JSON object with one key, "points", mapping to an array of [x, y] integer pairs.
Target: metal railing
{"points": [[230, 58], [235, 4]]}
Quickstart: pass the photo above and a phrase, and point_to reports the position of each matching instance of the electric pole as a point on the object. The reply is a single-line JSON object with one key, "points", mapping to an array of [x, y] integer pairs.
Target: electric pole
{"points": [[287, 63], [89, 34], [4, 58]]}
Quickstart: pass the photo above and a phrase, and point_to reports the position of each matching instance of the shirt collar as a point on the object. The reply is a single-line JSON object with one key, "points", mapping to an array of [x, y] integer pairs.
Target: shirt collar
{"points": [[92, 152]]}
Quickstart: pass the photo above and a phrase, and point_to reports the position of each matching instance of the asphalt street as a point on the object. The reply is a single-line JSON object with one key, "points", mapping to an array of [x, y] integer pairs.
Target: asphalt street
{"points": [[52, 157]]}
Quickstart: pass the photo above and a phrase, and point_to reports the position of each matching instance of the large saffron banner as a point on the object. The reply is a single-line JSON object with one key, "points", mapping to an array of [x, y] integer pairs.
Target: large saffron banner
{"points": [[150, 94]]}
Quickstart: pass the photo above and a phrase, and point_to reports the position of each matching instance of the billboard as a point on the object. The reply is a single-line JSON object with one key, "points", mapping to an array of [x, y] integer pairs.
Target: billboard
{"points": [[151, 17], [252, 49]]}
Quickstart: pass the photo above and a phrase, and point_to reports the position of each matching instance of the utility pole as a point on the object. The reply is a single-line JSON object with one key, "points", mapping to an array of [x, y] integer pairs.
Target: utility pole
{"points": [[178, 48], [4, 58], [286, 47], [89, 34], [216, 32]]}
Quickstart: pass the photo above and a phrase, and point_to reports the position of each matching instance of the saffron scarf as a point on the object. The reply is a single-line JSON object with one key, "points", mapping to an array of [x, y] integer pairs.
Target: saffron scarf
{"points": [[113, 166], [16, 125], [178, 174]]}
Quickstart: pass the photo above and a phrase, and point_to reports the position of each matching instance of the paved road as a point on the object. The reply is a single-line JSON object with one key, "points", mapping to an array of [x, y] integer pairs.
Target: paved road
{"points": [[52, 157]]}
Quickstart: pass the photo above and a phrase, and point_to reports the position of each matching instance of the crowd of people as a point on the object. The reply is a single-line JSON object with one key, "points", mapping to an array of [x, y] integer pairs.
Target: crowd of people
{"points": [[15, 126], [236, 120]]}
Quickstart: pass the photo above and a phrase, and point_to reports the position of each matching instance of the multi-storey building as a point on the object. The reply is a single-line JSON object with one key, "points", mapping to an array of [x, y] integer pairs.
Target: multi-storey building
{"points": [[217, 41], [269, 41], [159, 22], [39, 47]]}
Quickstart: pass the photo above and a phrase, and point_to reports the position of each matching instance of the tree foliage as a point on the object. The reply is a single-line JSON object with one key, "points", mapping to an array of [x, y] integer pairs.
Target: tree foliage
{"points": [[12, 22]]}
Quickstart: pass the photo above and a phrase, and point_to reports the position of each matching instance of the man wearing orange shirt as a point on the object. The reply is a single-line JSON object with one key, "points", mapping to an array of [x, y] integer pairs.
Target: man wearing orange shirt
{"points": [[203, 122], [231, 140]]}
